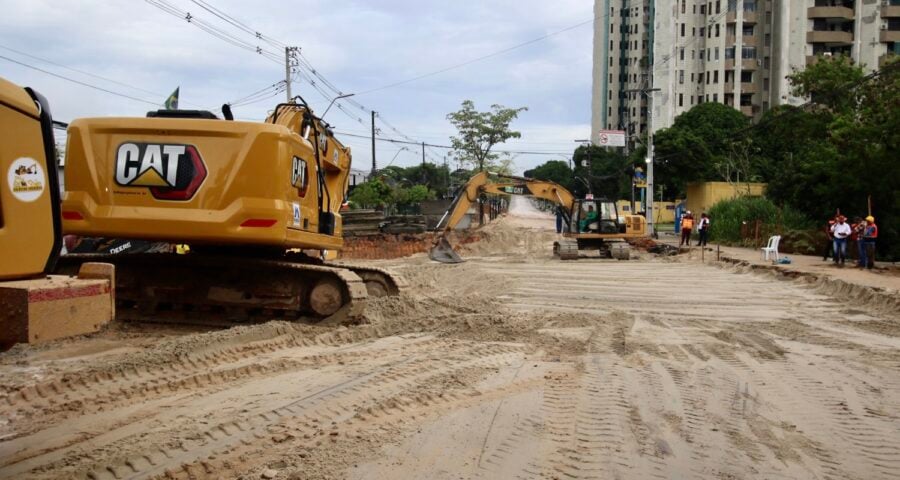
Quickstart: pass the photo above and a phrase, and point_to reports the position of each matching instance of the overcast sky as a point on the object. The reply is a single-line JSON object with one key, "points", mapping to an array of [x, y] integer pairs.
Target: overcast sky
{"points": [[357, 46]]}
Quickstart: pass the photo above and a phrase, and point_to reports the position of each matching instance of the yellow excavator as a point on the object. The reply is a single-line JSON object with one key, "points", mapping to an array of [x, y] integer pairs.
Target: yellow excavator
{"points": [[589, 224], [258, 204], [30, 230]]}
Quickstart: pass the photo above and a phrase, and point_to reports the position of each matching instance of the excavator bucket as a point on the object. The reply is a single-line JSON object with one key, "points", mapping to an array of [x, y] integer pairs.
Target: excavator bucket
{"points": [[444, 253]]}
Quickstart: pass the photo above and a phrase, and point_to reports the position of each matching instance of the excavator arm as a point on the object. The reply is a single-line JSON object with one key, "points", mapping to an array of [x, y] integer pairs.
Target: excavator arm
{"points": [[441, 251]]}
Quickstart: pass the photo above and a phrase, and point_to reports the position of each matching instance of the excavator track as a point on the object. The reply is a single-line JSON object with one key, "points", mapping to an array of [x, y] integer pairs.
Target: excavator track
{"points": [[380, 282], [227, 290]]}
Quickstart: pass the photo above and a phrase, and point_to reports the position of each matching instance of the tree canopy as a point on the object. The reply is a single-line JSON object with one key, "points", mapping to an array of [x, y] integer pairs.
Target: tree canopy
{"points": [[479, 132]]}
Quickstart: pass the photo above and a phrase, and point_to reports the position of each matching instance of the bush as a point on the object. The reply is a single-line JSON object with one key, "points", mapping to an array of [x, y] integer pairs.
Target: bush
{"points": [[729, 215]]}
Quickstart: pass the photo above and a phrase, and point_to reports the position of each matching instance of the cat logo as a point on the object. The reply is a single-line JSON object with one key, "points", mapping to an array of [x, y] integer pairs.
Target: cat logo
{"points": [[299, 178], [171, 172]]}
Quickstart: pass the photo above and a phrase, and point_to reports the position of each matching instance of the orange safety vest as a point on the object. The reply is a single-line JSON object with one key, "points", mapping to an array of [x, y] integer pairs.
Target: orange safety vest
{"points": [[687, 223]]}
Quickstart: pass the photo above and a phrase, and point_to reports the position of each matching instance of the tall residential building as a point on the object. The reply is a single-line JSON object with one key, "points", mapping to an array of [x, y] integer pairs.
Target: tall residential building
{"points": [[735, 52]]}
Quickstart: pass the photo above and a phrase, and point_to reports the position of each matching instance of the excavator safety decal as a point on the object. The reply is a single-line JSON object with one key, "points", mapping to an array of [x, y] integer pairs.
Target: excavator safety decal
{"points": [[170, 171]]}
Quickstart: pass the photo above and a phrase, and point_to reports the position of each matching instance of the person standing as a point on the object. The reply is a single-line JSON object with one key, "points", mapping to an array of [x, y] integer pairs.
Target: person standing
{"points": [[829, 239], [703, 229], [840, 231], [687, 224], [869, 236]]}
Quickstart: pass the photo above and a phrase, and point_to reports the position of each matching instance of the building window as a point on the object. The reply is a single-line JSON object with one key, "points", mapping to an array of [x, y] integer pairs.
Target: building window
{"points": [[692, 99], [766, 62], [717, 53], [748, 52], [718, 6], [716, 76], [692, 78], [683, 5], [717, 30], [765, 84], [682, 29], [681, 53], [715, 98], [748, 30], [702, 31], [746, 76], [768, 39], [703, 9], [707, 78], [729, 53], [681, 76], [680, 99]]}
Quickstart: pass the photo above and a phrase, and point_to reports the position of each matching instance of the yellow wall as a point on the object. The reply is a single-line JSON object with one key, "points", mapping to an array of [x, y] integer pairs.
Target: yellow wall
{"points": [[664, 211], [701, 196]]}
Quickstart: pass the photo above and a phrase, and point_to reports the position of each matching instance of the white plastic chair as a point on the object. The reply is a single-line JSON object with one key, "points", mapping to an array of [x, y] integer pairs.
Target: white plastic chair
{"points": [[771, 247]]}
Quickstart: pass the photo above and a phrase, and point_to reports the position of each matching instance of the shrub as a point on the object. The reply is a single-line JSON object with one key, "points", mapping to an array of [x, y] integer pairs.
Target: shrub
{"points": [[729, 215]]}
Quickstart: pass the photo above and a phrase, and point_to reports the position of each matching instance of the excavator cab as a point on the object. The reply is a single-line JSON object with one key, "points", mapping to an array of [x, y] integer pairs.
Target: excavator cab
{"points": [[595, 216]]}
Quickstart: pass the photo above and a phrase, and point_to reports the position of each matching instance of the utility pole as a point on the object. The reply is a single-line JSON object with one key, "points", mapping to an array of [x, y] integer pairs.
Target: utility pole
{"points": [[288, 57], [424, 180], [650, 223], [373, 143]]}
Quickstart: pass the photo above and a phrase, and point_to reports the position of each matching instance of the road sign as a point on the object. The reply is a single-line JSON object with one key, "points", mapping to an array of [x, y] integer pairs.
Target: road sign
{"points": [[611, 138]]}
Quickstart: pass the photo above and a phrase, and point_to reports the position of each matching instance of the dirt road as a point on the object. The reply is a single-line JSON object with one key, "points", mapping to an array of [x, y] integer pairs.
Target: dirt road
{"points": [[511, 365]]}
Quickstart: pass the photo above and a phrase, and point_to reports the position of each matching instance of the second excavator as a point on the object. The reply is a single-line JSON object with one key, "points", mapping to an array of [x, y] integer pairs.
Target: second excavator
{"points": [[589, 223], [258, 203]]}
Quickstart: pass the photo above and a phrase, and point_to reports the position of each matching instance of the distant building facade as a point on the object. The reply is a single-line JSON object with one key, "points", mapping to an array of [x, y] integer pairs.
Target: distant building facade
{"points": [[735, 52]]}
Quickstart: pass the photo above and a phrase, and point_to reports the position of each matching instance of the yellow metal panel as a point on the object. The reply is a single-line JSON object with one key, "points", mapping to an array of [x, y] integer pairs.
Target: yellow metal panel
{"points": [[26, 209]]}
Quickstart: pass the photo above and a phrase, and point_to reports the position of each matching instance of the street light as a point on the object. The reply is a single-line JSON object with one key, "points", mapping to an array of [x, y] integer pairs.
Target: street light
{"points": [[346, 95], [395, 156]]}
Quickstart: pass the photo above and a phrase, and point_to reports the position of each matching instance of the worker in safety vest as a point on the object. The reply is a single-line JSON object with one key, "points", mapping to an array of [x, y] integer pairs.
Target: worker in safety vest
{"points": [[869, 235], [687, 224]]}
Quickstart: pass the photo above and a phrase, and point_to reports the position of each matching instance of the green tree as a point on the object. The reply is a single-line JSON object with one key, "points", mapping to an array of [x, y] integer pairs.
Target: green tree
{"points": [[609, 173], [839, 150], [555, 171], [479, 132], [371, 194], [412, 195], [697, 147]]}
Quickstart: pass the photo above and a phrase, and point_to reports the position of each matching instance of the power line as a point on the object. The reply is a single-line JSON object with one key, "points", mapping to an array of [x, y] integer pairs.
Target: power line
{"points": [[111, 92], [447, 147]]}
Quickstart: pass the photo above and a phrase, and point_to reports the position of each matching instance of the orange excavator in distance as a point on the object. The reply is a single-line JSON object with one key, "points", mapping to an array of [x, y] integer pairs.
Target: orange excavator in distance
{"points": [[258, 204]]}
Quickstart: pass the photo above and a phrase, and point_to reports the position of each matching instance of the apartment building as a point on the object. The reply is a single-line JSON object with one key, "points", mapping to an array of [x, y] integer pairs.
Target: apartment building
{"points": [[735, 52]]}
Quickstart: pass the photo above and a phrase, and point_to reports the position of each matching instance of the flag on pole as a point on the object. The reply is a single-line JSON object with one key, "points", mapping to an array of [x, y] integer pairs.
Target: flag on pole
{"points": [[172, 101]]}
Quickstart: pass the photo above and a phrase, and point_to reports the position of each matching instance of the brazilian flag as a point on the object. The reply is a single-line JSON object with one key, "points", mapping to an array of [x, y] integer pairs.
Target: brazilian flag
{"points": [[172, 101]]}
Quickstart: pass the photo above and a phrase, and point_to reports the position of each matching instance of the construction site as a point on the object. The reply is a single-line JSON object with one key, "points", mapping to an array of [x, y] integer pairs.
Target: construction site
{"points": [[509, 365], [196, 294]]}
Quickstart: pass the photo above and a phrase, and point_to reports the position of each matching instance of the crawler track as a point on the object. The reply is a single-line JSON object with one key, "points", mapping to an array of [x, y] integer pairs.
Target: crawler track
{"points": [[223, 290]]}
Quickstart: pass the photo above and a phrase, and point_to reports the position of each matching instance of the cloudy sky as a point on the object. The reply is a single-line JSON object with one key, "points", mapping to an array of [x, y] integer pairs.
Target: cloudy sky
{"points": [[357, 46]]}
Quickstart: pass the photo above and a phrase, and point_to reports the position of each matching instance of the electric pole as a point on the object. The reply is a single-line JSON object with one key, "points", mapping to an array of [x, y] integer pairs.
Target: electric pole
{"points": [[373, 143], [424, 180], [288, 63]]}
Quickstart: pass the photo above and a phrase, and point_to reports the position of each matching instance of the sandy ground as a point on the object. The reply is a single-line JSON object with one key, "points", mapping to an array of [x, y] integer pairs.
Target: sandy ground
{"points": [[511, 365]]}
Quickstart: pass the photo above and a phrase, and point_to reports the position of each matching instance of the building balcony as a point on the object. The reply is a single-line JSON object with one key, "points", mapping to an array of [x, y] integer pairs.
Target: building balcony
{"points": [[749, 87], [836, 37], [890, 11], [746, 64], [749, 17], [747, 110], [888, 36], [830, 13]]}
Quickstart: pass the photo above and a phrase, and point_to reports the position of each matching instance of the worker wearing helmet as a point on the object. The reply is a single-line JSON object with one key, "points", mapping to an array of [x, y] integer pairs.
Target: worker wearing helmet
{"points": [[869, 235]]}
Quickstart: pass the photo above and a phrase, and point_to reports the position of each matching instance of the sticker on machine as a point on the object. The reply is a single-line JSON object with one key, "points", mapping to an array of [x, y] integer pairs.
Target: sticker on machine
{"points": [[296, 214], [26, 179]]}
